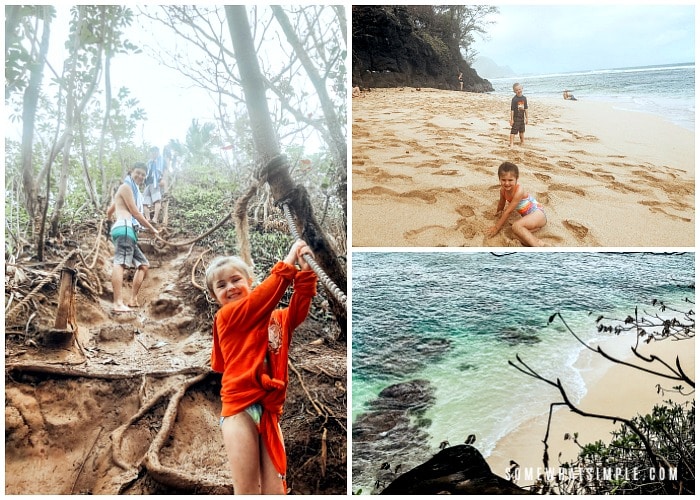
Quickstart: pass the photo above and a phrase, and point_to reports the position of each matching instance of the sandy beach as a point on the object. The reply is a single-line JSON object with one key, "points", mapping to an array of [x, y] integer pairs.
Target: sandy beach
{"points": [[613, 389], [424, 172]]}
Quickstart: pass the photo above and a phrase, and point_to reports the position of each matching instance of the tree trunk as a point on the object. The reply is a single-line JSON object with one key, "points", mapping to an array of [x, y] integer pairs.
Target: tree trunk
{"points": [[108, 104], [267, 146], [89, 187], [73, 111], [29, 105], [338, 142]]}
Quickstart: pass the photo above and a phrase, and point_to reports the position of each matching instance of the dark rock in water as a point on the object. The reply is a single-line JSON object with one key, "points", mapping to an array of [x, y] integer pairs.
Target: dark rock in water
{"points": [[406, 355], [413, 395], [518, 336], [458, 470], [389, 433], [377, 425]]}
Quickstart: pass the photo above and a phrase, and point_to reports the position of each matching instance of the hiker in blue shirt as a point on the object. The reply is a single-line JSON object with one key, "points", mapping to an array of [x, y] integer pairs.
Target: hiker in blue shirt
{"points": [[155, 183]]}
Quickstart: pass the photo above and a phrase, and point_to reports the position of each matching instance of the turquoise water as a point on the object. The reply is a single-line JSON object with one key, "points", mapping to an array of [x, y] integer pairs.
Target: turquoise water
{"points": [[457, 318], [667, 91]]}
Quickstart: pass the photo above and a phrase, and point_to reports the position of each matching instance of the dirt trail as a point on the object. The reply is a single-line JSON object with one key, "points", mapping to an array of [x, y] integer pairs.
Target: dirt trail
{"points": [[132, 407]]}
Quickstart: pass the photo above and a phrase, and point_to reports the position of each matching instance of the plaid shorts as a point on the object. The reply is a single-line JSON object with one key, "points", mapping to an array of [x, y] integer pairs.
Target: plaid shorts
{"points": [[127, 253]]}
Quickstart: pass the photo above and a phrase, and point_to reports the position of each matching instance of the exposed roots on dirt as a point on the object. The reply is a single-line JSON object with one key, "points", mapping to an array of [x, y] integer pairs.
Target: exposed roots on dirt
{"points": [[130, 405]]}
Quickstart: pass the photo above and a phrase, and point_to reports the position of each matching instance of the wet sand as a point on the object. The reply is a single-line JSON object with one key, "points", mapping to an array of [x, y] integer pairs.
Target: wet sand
{"points": [[424, 172], [613, 389]]}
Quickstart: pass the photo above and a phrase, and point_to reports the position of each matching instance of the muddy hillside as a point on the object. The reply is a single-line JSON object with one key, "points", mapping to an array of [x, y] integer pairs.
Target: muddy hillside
{"points": [[103, 403]]}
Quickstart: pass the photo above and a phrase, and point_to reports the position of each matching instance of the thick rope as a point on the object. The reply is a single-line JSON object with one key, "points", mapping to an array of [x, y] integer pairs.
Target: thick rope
{"points": [[325, 279], [195, 240]]}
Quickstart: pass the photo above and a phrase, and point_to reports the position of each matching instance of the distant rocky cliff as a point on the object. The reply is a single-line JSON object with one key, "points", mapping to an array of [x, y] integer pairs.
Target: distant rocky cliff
{"points": [[389, 50]]}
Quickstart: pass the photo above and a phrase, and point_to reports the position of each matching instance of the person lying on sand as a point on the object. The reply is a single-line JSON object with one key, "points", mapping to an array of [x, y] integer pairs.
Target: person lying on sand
{"points": [[532, 212]]}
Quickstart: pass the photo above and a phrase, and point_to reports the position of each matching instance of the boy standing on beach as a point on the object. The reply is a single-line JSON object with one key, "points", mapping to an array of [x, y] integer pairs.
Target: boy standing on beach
{"points": [[518, 114]]}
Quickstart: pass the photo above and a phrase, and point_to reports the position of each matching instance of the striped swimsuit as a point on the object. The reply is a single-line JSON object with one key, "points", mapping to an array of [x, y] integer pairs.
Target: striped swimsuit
{"points": [[527, 205]]}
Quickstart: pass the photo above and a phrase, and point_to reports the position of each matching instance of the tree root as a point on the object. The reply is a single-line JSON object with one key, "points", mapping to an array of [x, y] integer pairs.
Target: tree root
{"points": [[118, 433], [166, 475], [60, 369], [306, 391]]}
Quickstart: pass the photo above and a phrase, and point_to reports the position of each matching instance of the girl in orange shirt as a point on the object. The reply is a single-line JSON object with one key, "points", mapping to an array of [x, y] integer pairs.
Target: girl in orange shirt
{"points": [[250, 347]]}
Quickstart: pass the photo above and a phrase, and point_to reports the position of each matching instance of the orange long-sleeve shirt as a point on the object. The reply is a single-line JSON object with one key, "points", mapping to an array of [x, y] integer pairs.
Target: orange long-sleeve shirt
{"points": [[251, 329]]}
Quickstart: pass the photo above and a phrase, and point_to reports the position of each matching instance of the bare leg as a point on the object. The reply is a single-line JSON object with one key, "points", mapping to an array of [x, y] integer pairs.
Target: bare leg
{"points": [[242, 444], [512, 137], [522, 137], [117, 282], [139, 276], [523, 228]]}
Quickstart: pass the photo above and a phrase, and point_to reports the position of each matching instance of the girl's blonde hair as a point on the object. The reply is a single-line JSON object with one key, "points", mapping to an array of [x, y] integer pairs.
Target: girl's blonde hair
{"points": [[222, 261]]}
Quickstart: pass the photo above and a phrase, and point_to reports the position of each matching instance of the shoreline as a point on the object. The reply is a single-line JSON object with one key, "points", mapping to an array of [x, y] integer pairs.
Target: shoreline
{"points": [[612, 389], [424, 171], [618, 103]]}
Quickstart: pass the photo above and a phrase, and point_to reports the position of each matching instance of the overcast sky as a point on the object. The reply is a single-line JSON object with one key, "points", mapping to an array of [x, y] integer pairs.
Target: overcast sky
{"points": [[171, 101], [541, 39]]}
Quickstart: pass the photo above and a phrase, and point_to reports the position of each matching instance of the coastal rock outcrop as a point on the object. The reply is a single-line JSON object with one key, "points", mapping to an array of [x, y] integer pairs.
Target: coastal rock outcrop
{"points": [[390, 436], [457, 470], [389, 49]]}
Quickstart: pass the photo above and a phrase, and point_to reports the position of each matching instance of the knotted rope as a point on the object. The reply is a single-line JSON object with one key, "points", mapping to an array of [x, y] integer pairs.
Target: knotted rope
{"points": [[325, 279]]}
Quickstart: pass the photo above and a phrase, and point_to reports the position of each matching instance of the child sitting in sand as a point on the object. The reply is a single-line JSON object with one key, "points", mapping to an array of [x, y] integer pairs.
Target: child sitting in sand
{"points": [[532, 212]]}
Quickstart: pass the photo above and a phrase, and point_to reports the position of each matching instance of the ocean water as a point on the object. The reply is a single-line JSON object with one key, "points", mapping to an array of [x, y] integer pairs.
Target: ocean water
{"points": [[667, 91], [457, 318]]}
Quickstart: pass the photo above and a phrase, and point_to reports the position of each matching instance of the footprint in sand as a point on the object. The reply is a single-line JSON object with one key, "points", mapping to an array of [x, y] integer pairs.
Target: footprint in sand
{"points": [[427, 236], [551, 240], [358, 132], [543, 177], [417, 232], [655, 207], [372, 170], [565, 164], [654, 181], [465, 211], [578, 230], [622, 187], [567, 188], [466, 228]]}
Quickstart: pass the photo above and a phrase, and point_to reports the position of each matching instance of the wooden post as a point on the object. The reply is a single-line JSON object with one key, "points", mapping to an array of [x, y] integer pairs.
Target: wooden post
{"points": [[65, 316]]}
